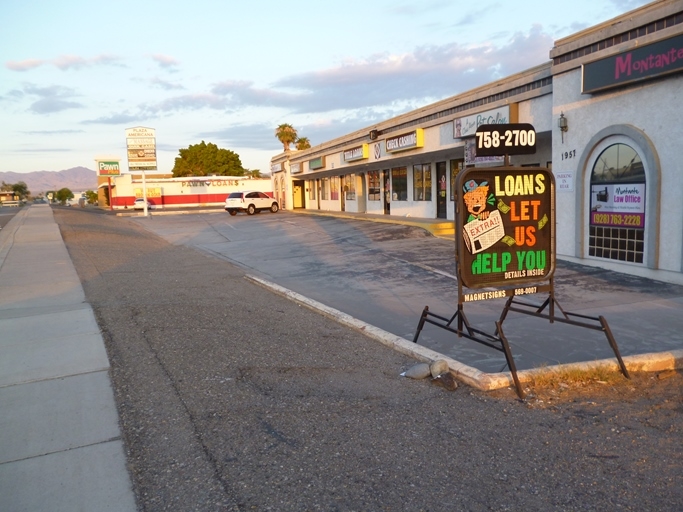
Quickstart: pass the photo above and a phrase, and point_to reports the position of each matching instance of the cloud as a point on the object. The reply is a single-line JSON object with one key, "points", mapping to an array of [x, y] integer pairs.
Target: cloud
{"points": [[262, 136], [434, 72], [164, 61], [52, 99], [187, 102], [628, 5], [51, 132], [381, 83], [24, 65], [64, 62], [115, 119], [165, 84]]}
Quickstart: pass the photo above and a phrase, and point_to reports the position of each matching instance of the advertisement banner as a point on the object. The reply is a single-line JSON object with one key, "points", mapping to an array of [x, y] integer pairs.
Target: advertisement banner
{"points": [[619, 205], [506, 220]]}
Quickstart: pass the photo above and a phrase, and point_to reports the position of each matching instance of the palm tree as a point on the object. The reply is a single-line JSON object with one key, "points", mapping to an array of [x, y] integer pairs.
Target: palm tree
{"points": [[303, 143], [286, 134]]}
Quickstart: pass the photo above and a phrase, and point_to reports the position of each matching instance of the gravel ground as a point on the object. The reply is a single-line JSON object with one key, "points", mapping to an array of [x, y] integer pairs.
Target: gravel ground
{"points": [[232, 398]]}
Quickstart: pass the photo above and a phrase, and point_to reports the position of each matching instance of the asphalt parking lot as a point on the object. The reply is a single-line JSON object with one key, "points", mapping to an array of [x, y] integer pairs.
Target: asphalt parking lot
{"points": [[385, 274], [234, 398]]}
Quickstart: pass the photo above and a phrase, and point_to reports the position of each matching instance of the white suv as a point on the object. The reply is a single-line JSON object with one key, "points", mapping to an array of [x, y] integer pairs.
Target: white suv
{"points": [[250, 201]]}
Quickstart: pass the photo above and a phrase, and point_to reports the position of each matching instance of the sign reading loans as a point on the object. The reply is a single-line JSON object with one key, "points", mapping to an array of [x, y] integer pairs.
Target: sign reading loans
{"points": [[410, 140], [507, 219]]}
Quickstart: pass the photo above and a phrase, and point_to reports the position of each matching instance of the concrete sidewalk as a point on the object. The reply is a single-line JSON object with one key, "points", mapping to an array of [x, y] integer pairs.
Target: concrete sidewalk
{"points": [[60, 443]]}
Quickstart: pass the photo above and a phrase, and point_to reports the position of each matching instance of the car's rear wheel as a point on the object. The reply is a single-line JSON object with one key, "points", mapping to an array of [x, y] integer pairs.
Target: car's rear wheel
{"points": [[251, 209], [232, 212], [274, 208]]}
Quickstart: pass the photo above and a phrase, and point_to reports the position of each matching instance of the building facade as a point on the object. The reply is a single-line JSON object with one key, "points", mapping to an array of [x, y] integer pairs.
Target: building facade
{"points": [[165, 192], [606, 112]]}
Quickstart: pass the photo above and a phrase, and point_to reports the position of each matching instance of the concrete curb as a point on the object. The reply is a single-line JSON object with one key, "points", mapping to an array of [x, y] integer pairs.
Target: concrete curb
{"points": [[484, 381], [444, 229]]}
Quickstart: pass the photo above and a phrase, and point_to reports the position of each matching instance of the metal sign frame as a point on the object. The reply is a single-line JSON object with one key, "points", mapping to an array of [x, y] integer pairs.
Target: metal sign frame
{"points": [[511, 206]]}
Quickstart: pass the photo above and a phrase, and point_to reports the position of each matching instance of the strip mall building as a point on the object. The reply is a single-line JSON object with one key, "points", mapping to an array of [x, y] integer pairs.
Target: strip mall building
{"points": [[607, 111]]}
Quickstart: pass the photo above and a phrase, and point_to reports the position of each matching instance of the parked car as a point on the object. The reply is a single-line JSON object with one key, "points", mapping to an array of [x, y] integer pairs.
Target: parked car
{"points": [[250, 201], [139, 204]]}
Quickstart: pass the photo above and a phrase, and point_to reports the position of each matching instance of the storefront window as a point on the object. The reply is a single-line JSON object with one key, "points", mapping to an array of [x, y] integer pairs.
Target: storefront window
{"points": [[399, 184], [617, 205], [456, 167], [350, 187], [334, 188], [311, 189], [325, 189], [374, 191], [422, 182]]}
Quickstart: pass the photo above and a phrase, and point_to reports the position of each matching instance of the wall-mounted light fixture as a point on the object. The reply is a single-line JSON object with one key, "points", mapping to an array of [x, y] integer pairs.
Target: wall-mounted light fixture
{"points": [[562, 123], [374, 134]]}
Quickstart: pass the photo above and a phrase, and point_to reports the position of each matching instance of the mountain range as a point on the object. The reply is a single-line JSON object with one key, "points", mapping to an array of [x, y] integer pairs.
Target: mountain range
{"points": [[76, 179]]}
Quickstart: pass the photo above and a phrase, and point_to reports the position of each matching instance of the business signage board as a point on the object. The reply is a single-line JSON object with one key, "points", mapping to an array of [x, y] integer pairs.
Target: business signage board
{"points": [[618, 205], [641, 63], [357, 153], [467, 126], [108, 168], [403, 142], [505, 139], [141, 149], [316, 163], [506, 218]]}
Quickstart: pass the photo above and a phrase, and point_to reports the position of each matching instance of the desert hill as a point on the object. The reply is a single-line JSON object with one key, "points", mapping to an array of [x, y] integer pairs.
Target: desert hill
{"points": [[76, 179]]}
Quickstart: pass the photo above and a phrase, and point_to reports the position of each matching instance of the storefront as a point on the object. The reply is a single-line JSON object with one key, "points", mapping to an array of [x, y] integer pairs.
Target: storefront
{"points": [[617, 88], [181, 192], [606, 110], [407, 166]]}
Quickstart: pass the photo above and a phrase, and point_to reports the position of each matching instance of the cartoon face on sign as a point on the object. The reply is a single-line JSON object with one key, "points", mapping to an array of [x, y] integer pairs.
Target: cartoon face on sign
{"points": [[476, 198]]}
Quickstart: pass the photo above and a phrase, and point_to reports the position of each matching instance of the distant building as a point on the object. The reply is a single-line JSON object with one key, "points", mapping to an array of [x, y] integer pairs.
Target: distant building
{"points": [[166, 192]]}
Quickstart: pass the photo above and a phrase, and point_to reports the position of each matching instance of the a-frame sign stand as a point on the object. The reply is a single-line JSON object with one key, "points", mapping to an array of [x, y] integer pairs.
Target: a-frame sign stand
{"points": [[505, 244]]}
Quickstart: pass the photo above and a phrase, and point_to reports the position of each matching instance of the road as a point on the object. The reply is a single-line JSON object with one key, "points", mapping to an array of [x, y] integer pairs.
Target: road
{"points": [[385, 274], [233, 398], [6, 214]]}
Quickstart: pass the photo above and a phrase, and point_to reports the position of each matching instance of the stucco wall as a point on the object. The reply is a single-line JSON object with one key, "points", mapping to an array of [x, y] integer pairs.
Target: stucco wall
{"points": [[651, 112]]}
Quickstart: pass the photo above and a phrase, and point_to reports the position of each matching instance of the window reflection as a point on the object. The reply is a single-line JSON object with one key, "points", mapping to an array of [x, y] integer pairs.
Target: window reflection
{"points": [[618, 163]]}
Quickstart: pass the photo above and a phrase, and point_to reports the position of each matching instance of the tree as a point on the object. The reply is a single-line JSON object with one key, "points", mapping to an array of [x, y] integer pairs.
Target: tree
{"points": [[21, 189], [63, 195], [91, 197], [303, 143], [206, 159], [6, 187], [286, 134], [254, 173]]}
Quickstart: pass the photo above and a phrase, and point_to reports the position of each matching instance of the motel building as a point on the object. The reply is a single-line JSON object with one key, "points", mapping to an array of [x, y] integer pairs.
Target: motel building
{"points": [[606, 109]]}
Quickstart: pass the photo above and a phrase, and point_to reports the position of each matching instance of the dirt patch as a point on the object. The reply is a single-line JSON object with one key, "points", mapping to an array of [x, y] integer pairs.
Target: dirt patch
{"points": [[653, 389]]}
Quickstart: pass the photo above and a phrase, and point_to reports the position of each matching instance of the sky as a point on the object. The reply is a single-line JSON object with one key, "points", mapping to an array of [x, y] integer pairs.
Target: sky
{"points": [[74, 74]]}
